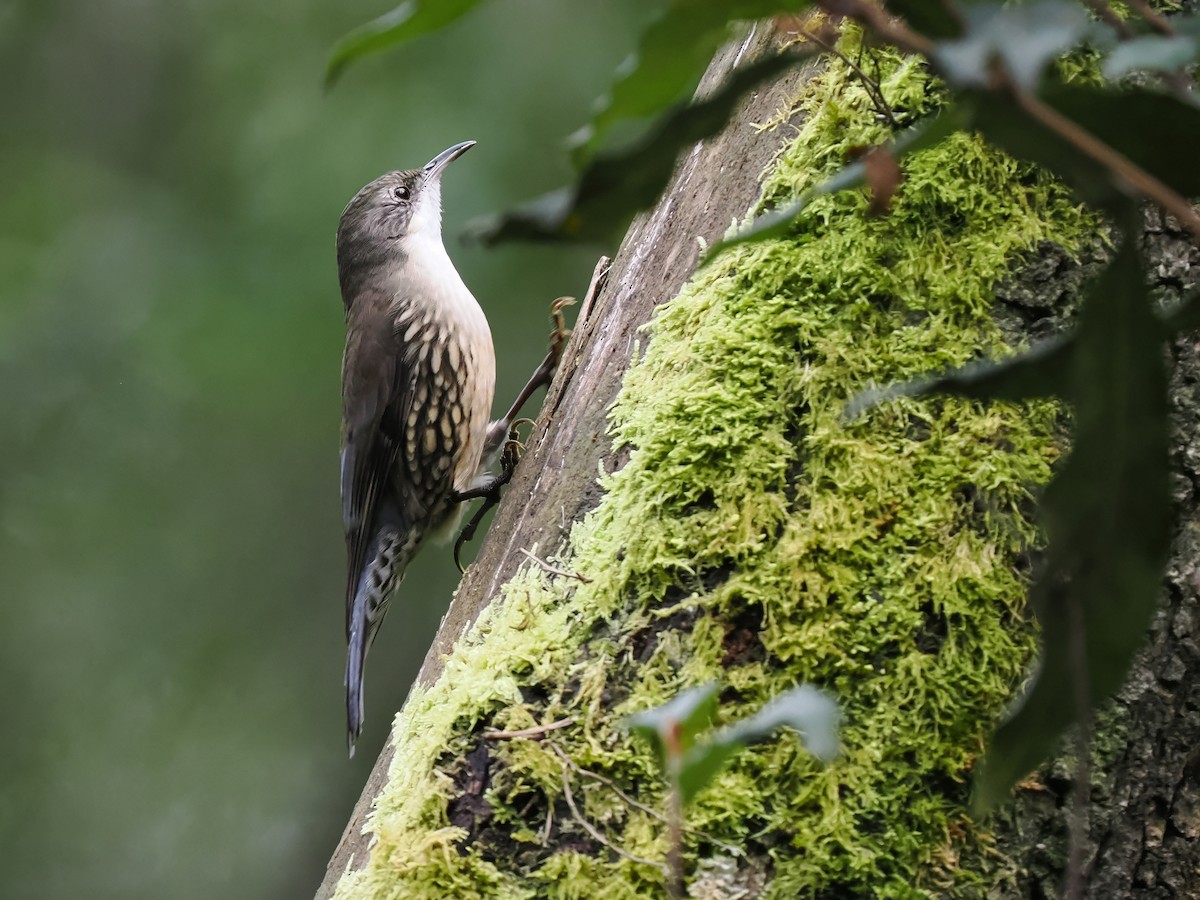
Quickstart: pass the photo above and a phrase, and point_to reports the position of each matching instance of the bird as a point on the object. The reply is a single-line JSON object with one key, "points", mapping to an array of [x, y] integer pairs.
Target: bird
{"points": [[418, 380]]}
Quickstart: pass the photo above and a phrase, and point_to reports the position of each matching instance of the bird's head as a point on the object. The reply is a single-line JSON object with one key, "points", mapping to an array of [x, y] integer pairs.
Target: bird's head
{"points": [[389, 215]]}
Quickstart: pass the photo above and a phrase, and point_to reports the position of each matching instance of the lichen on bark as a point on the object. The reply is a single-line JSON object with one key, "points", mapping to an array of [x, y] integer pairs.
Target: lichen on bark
{"points": [[757, 537]]}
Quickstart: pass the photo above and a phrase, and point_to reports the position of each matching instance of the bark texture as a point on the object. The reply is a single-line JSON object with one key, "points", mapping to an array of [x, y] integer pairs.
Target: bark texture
{"points": [[503, 820], [1145, 793]]}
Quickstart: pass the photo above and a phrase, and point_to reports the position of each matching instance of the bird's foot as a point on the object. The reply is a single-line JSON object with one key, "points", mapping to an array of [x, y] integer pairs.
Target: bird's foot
{"points": [[541, 377], [489, 490]]}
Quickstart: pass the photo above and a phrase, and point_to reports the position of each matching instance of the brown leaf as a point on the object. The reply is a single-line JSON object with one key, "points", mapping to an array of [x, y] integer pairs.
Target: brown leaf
{"points": [[883, 177]]}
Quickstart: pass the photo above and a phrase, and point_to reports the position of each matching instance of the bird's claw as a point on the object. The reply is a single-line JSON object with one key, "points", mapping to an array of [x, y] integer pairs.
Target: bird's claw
{"points": [[489, 492], [561, 333]]}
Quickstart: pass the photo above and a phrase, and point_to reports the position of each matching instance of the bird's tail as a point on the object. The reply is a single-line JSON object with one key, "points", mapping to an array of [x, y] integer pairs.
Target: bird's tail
{"points": [[372, 595], [356, 657]]}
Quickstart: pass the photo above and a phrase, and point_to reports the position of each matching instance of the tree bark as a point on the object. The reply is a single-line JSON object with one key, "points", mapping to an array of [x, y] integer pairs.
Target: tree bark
{"points": [[1145, 798], [1144, 834]]}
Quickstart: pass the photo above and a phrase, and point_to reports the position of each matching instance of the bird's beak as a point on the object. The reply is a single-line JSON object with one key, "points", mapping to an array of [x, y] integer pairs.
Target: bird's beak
{"points": [[433, 168]]}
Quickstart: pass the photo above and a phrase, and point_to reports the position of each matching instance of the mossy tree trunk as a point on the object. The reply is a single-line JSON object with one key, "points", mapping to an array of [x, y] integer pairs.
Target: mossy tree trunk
{"points": [[726, 523]]}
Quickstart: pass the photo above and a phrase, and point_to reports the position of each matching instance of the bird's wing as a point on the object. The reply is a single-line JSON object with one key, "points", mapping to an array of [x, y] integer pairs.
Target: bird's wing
{"points": [[371, 374]]}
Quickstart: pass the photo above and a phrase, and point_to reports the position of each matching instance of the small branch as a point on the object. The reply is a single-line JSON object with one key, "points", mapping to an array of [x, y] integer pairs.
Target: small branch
{"points": [[1110, 18], [649, 810], [871, 85], [1178, 80], [537, 731], [1138, 178], [596, 835], [675, 837], [1153, 16], [878, 20], [554, 570]]}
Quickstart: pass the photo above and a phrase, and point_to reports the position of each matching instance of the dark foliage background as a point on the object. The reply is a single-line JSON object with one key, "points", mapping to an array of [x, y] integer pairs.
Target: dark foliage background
{"points": [[171, 175]]}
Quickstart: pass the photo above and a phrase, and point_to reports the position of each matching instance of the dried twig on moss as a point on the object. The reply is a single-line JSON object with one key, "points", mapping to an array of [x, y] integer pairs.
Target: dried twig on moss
{"points": [[535, 733]]}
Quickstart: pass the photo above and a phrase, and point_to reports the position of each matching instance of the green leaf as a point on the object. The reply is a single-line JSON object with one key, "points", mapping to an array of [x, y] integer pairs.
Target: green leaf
{"points": [[777, 222], [1156, 131], [1023, 38], [1159, 53], [701, 765], [410, 19], [1188, 25], [1107, 517], [1043, 370], [1003, 124], [805, 709], [614, 187], [674, 725], [810, 712], [671, 55]]}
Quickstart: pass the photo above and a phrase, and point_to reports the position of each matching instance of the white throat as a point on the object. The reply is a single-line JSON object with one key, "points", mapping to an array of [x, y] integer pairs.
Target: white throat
{"points": [[428, 270]]}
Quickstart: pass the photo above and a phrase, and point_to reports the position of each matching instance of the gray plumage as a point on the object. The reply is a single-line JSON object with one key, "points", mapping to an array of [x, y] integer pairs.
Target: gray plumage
{"points": [[418, 376]]}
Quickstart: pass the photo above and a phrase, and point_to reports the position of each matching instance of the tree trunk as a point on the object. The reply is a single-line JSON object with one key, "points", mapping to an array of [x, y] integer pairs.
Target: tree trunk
{"points": [[1145, 792], [740, 530]]}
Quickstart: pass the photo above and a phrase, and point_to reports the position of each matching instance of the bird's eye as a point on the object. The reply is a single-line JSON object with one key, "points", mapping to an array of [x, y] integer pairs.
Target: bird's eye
{"points": [[401, 193]]}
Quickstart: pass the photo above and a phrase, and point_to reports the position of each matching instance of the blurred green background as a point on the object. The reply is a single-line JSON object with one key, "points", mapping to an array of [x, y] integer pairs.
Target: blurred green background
{"points": [[171, 558]]}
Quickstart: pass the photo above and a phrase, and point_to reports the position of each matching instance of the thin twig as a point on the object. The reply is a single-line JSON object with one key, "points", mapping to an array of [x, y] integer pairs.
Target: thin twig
{"points": [[675, 833], [1110, 18], [872, 86], [1153, 16], [649, 810], [879, 21], [596, 835], [1083, 140], [1177, 80], [536, 731], [554, 570]]}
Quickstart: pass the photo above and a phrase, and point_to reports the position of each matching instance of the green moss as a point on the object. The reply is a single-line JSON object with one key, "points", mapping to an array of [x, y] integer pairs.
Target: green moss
{"points": [[757, 537]]}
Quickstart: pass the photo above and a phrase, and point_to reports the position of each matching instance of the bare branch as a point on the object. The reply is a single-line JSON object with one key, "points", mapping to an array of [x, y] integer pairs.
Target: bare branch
{"points": [[596, 835], [649, 810], [1137, 177], [553, 570], [1153, 16], [536, 732], [871, 85]]}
